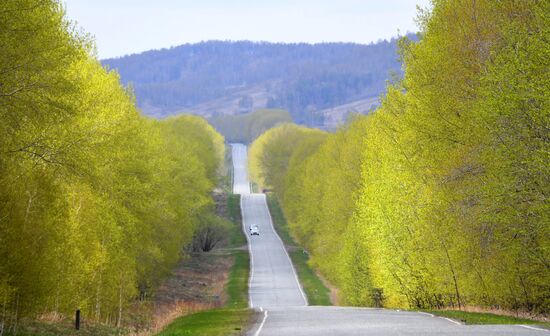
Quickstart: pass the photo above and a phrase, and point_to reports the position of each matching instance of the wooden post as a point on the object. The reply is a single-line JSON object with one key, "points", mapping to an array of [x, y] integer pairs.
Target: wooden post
{"points": [[77, 320]]}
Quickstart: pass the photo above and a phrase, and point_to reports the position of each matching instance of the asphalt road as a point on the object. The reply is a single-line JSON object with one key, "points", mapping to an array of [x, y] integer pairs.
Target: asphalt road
{"points": [[273, 281], [275, 292], [239, 155], [335, 321]]}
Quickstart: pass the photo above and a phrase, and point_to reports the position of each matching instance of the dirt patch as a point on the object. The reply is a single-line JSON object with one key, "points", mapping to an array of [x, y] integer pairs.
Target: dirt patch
{"points": [[196, 284], [334, 291]]}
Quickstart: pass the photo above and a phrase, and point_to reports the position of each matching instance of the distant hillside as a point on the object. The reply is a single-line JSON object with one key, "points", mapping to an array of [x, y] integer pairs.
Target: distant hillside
{"points": [[224, 78]]}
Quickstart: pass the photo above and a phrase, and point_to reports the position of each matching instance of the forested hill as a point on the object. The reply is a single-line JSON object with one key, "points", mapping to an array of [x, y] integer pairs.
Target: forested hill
{"points": [[215, 78]]}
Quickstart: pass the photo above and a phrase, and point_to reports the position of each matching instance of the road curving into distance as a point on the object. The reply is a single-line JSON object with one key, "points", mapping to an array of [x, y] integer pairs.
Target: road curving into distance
{"points": [[274, 289]]}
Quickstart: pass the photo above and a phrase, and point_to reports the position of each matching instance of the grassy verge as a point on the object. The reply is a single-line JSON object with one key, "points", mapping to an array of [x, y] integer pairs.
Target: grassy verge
{"points": [[234, 209], [484, 318], [237, 284], [226, 180], [214, 322], [316, 292], [64, 328], [234, 317]]}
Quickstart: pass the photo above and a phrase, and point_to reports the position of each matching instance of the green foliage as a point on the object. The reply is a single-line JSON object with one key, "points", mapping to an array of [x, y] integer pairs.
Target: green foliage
{"points": [[244, 128], [204, 141], [320, 196], [439, 198], [270, 154], [96, 202], [451, 212]]}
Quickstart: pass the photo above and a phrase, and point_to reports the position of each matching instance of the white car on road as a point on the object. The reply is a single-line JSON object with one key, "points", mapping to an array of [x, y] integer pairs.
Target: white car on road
{"points": [[254, 230]]}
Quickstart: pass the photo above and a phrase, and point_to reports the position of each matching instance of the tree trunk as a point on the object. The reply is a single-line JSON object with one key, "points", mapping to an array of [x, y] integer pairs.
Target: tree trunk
{"points": [[119, 319], [16, 315], [98, 299], [3, 323], [454, 276]]}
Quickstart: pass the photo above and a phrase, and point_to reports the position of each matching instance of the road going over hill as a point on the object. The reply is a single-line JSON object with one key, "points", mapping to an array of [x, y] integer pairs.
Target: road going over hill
{"points": [[274, 289], [273, 281], [239, 156]]}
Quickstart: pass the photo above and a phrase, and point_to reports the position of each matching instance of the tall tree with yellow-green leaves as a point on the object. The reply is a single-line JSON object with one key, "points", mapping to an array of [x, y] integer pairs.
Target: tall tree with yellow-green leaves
{"points": [[96, 202], [447, 182], [270, 154]]}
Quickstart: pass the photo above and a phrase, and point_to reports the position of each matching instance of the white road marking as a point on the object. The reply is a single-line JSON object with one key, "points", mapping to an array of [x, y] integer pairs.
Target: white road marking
{"points": [[445, 318], [533, 328], [261, 325], [453, 321], [432, 315]]}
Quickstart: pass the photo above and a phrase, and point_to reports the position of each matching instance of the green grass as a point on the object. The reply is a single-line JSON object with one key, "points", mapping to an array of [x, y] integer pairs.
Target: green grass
{"points": [[215, 322], [237, 283], [317, 293], [484, 318], [234, 317], [226, 179]]}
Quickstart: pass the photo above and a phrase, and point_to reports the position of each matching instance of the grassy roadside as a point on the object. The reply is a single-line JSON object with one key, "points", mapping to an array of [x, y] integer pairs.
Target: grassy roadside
{"points": [[484, 318], [226, 179], [64, 328], [316, 292], [235, 316], [215, 322], [237, 284], [234, 211]]}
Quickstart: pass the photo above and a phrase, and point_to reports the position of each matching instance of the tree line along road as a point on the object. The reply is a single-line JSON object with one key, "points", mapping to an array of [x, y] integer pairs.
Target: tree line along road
{"points": [[274, 289]]}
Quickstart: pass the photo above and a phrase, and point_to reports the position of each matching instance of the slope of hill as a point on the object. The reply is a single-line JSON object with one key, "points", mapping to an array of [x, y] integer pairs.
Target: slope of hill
{"points": [[220, 78]]}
